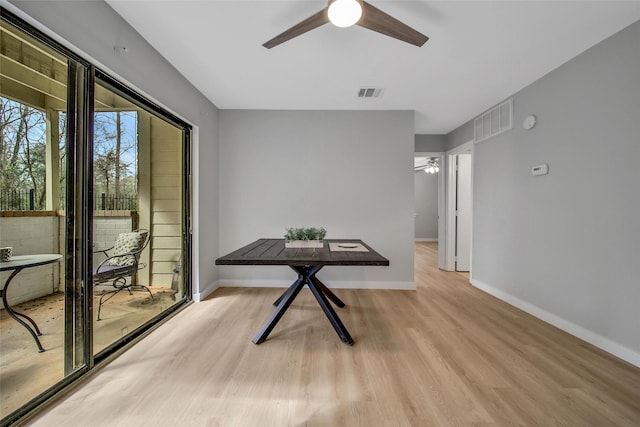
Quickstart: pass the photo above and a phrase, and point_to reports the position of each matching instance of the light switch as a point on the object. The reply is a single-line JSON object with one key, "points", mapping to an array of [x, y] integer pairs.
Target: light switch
{"points": [[540, 169]]}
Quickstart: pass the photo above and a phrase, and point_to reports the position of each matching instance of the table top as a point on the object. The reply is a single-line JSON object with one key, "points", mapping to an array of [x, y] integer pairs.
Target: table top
{"points": [[26, 261], [273, 252]]}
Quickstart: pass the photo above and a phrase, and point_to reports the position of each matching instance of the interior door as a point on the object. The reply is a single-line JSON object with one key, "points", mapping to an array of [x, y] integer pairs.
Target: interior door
{"points": [[463, 213]]}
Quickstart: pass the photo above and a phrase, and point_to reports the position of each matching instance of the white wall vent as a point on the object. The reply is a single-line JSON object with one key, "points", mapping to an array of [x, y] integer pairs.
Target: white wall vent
{"points": [[370, 92], [493, 122]]}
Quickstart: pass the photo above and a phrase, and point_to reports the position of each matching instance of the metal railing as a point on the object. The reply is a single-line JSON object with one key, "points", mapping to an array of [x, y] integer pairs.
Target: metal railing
{"points": [[25, 200], [17, 200], [109, 202]]}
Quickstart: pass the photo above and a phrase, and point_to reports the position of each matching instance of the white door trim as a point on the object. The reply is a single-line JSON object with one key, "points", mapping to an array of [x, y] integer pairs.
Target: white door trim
{"points": [[463, 217], [441, 206], [449, 263]]}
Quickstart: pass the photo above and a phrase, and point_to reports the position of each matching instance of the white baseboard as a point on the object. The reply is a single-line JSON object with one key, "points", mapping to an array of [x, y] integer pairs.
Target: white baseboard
{"points": [[426, 239], [591, 337], [208, 290], [405, 286]]}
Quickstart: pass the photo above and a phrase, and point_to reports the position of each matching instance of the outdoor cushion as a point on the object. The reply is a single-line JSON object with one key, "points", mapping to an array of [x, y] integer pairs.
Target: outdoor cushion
{"points": [[126, 243]]}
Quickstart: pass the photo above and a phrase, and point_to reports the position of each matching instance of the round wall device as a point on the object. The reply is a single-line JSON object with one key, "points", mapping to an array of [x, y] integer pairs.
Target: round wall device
{"points": [[529, 122]]}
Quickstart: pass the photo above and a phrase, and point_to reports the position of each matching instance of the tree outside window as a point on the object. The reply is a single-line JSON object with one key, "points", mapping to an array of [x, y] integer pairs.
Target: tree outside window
{"points": [[115, 159], [22, 155], [23, 136]]}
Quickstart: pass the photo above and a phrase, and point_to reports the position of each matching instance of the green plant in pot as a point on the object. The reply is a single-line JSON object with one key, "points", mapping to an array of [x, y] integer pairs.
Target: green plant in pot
{"points": [[305, 237]]}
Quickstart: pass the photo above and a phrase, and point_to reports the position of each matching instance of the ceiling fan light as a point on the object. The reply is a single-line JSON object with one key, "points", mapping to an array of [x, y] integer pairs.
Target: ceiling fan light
{"points": [[345, 13], [432, 166]]}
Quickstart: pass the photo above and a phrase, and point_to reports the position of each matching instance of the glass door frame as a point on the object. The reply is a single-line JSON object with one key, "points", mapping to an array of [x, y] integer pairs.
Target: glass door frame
{"points": [[107, 81], [78, 222], [78, 336], [79, 116]]}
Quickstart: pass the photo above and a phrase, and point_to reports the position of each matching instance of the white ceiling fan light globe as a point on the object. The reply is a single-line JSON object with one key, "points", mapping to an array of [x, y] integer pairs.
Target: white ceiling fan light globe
{"points": [[345, 13]]}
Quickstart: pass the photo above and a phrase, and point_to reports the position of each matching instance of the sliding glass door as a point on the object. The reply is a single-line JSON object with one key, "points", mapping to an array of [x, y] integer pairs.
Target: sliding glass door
{"points": [[42, 333], [138, 183], [94, 204]]}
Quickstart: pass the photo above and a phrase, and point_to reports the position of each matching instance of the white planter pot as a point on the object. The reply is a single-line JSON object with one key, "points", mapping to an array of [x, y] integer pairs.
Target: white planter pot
{"points": [[304, 244]]}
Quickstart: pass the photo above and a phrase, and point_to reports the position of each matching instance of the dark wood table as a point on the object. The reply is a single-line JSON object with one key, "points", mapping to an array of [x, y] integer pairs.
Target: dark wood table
{"points": [[307, 263]]}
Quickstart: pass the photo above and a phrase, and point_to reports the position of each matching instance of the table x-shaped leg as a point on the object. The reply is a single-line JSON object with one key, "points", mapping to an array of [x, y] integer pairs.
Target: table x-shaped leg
{"points": [[333, 297], [306, 276]]}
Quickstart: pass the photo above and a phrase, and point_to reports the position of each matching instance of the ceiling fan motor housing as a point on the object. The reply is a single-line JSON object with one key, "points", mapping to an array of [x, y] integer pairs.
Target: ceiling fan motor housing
{"points": [[344, 13]]}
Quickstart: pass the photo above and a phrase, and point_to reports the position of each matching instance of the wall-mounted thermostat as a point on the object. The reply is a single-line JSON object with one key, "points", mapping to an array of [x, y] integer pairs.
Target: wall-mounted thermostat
{"points": [[540, 169]]}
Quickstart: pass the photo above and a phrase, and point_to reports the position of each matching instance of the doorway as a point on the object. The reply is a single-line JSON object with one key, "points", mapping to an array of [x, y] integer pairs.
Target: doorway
{"points": [[429, 187], [459, 208]]}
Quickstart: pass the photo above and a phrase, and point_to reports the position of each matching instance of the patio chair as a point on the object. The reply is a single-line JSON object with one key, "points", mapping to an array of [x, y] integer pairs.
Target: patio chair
{"points": [[121, 265]]}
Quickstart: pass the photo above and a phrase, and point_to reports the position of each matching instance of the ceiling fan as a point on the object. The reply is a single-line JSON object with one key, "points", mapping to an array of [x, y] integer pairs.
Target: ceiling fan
{"points": [[345, 13]]}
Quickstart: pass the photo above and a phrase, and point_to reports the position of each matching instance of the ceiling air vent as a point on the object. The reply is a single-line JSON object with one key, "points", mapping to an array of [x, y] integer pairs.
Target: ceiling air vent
{"points": [[370, 92]]}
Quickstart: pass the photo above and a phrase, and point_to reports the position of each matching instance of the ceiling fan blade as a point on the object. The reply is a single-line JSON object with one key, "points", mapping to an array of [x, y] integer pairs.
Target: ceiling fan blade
{"points": [[376, 20], [314, 21]]}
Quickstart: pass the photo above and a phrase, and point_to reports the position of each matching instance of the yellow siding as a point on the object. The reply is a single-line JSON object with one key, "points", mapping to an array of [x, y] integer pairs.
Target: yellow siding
{"points": [[164, 255], [163, 268], [168, 167], [165, 243], [166, 206], [165, 181], [164, 193], [166, 218], [166, 201], [166, 230], [161, 279]]}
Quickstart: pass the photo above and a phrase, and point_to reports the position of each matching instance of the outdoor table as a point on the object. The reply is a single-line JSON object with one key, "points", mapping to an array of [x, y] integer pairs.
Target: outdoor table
{"points": [[307, 263], [17, 264]]}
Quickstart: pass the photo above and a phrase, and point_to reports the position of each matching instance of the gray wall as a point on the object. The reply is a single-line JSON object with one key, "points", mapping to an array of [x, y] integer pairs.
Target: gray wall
{"points": [[350, 172], [566, 246], [430, 143], [426, 206], [92, 29], [460, 135]]}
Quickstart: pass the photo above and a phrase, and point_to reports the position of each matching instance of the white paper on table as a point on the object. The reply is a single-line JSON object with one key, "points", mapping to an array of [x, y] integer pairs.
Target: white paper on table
{"points": [[347, 247]]}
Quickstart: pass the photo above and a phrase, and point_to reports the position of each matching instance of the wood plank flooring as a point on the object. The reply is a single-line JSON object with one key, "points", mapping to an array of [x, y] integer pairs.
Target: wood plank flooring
{"points": [[446, 354], [25, 373]]}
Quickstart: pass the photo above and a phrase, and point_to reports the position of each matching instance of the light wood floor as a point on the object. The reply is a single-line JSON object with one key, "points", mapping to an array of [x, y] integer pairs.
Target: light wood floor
{"points": [[446, 354], [25, 373]]}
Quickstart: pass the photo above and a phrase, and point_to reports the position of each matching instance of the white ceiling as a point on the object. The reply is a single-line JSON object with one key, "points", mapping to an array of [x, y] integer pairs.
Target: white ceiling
{"points": [[479, 52]]}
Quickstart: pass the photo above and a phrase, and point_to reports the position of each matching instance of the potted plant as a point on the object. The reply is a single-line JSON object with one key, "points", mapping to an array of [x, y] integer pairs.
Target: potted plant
{"points": [[306, 237]]}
